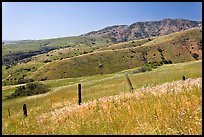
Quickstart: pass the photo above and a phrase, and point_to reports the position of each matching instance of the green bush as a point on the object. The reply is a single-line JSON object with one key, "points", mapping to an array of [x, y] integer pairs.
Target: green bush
{"points": [[195, 56], [151, 65], [22, 80], [46, 61], [164, 61], [7, 67], [30, 89]]}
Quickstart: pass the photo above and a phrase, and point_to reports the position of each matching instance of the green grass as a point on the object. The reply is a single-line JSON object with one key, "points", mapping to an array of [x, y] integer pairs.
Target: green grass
{"points": [[176, 50], [114, 120], [11, 75], [71, 62], [66, 48], [54, 43], [160, 75], [129, 44]]}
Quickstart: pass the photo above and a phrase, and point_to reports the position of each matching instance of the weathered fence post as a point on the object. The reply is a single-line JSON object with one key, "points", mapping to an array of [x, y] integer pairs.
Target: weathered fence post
{"points": [[79, 94], [25, 110], [184, 78], [9, 113], [129, 82]]}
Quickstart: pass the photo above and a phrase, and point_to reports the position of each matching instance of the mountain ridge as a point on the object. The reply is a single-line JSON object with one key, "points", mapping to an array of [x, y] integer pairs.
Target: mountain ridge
{"points": [[140, 30]]}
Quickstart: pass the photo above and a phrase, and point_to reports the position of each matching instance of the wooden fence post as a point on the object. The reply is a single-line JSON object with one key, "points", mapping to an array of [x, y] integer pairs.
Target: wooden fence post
{"points": [[184, 78], [25, 110], [129, 82], [9, 113], [79, 94]]}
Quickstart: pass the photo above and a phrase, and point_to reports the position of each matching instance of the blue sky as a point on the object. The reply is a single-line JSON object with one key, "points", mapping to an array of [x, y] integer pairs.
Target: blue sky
{"points": [[42, 20]]}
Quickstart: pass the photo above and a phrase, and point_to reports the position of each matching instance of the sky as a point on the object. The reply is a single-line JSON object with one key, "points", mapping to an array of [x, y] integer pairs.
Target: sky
{"points": [[44, 20]]}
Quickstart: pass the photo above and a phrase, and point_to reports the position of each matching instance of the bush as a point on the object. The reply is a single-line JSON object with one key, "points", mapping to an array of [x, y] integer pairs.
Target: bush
{"points": [[152, 65], [85, 52], [195, 56], [7, 67], [30, 89], [100, 65], [159, 49], [149, 67], [22, 80], [142, 69], [46, 61], [164, 61]]}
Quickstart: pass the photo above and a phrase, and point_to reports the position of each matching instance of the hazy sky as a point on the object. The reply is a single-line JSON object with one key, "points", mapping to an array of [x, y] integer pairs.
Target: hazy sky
{"points": [[40, 20]]}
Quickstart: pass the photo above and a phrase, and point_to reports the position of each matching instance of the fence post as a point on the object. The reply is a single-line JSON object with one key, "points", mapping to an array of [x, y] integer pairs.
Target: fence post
{"points": [[79, 94], [129, 82], [184, 78], [25, 110], [9, 113]]}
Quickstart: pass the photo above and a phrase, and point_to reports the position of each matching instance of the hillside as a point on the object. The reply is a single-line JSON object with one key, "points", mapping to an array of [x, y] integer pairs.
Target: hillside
{"points": [[177, 47], [108, 107], [22, 51], [139, 30]]}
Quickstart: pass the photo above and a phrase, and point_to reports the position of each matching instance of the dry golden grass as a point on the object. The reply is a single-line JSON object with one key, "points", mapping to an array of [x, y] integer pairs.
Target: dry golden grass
{"points": [[169, 108]]}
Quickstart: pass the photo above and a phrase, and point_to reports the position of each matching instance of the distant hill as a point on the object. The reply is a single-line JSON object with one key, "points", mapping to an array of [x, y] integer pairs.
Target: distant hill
{"points": [[139, 30], [25, 49], [100, 53]]}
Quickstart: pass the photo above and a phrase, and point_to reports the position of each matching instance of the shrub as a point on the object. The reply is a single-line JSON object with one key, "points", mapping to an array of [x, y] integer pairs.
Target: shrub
{"points": [[142, 69], [30, 89], [85, 52], [22, 80], [159, 49], [46, 61], [43, 79], [148, 67], [7, 67], [195, 56], [145, 68], [100, 65], [164, 61]]}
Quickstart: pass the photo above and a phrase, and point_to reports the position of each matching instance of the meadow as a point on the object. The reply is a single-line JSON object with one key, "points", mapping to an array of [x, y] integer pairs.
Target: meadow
{"points": [[162, 103]]}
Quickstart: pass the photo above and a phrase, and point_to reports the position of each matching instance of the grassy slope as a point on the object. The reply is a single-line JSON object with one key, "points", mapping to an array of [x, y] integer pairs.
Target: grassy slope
{"points": [[55, 43], [94, 87], [76, 46], [129, 44], [177, 47], [17, 72], [10, 76], [113, 60]]}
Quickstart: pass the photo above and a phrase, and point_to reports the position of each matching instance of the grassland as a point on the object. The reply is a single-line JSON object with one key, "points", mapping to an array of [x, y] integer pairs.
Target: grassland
{"points": [[172, 113], [84, 58], [64, 48], [129, 44], [178, 47], [54, 43]]}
